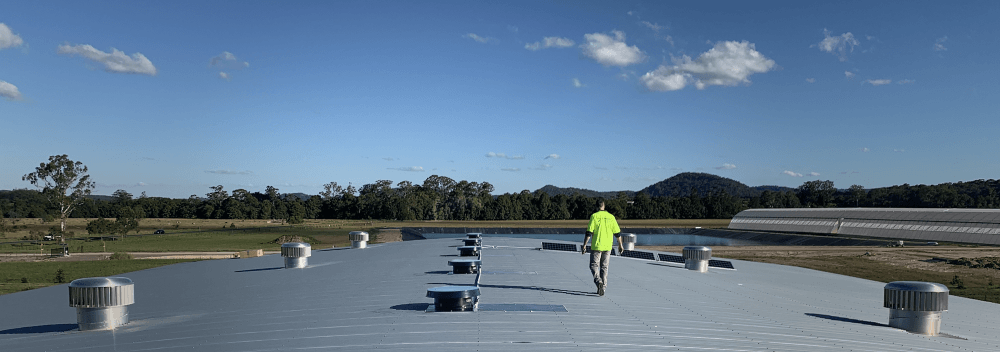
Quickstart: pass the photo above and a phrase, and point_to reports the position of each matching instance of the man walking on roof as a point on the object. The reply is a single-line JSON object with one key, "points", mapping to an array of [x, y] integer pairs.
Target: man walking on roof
{"points": [[601, 233]]}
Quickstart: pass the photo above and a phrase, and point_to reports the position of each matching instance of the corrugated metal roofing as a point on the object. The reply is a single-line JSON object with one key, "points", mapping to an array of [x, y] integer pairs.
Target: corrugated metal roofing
{"points": [[953, 225], [359, 299]]}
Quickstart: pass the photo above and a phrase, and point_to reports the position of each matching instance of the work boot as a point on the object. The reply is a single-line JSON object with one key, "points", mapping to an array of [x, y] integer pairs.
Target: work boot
{"points": [[600, 290], [599, 286]]}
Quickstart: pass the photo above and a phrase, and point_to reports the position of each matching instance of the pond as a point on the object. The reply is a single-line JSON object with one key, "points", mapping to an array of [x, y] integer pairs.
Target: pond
{"points": [[641, 239]]}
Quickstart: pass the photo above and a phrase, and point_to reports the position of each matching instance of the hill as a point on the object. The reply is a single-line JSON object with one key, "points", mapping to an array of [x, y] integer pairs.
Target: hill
{"points": [[680, 185], [553, 191]]}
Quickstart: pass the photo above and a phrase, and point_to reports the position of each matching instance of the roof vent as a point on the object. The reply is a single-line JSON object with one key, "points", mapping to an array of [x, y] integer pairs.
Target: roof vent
{"points": [[101, 301], [696, 258], [628, 241], [469, 251], [916, 306], [475, 235], [454, 298], [465, 266], [471, 241], [359, 239], [296, 254]]}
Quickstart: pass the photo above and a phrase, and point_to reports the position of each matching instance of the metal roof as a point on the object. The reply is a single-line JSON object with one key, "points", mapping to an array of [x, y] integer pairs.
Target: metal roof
{"points": [[954, 225], [375, 298]]}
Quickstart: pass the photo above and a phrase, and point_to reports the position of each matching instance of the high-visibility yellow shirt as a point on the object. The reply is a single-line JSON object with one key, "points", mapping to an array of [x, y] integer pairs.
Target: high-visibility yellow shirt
{"points": [[604, 226]]}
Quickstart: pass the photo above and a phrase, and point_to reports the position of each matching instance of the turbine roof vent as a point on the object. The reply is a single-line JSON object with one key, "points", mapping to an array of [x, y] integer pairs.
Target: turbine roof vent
{"points": [[696, 258], [296, 254], [100, 292], [359, 239], [101, 302], [358, 236], [916, 296], [296, 250], [916, 306]]}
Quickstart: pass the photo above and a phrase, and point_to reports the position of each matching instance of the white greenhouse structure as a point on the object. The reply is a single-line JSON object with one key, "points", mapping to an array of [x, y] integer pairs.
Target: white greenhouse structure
{"points": [[980, 226]]}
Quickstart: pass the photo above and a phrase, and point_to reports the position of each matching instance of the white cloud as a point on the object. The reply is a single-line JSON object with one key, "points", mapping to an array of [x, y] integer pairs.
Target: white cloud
{"points": [[600, 168], [938, 44], [906, 81], [576, 83], [878, 82], [898, 150], [726, 64], [813, 173], [865, 150], [7, 37], [512, 169], [725, 167], [790, 173], [504, 156], [552, 156], [611, 51], [811, 80], [228, 60], [116, 61], [410, 169], [542, 167], [224, 75], [9, 91], [513, 29], [477, 38], [655, 27], [550, 42], [229, 172], [388, 159], [140, 184], [848, 74], [840, 45]]}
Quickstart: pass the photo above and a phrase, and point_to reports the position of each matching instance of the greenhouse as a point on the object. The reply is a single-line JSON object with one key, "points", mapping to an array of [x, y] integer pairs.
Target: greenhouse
{"points": [[980, 226]]}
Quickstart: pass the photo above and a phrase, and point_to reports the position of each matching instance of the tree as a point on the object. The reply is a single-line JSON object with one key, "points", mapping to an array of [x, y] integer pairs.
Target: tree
{"points": [[64, 182], [817, 193], [121, 196], [857, 192], [126, 221]]}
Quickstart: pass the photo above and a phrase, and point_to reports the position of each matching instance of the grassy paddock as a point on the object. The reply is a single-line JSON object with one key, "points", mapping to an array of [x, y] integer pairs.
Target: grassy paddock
{"points": [[980, 287], [220, 235], [43, 274]]}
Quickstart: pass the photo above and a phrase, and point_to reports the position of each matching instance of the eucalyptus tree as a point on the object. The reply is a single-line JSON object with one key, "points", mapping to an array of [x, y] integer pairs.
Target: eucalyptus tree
{"points": [[64, 182]]}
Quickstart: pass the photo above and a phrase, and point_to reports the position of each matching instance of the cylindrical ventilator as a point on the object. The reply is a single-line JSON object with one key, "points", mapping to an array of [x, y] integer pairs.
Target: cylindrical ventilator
{"points": [[359, 239], [465, 266], [101, 302], [696, 258], [454, 298], [628, 241], [296, 254], [916, 306], [468, 251]]}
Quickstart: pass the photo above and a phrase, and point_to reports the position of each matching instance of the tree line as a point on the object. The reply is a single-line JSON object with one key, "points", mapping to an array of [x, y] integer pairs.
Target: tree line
{"points": [[442, 198]]}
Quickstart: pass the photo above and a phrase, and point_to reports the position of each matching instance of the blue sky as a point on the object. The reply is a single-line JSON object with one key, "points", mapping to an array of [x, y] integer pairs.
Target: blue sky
{"points": [[171, 98]]}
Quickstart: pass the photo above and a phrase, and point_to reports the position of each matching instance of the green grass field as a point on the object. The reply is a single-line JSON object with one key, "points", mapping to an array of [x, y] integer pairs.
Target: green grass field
{"points": [[975, 286], [187, 235], [42, 274], [219, 235]]}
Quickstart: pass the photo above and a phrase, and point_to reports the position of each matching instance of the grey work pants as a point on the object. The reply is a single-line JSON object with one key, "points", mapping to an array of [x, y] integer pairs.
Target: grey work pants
{"points": [[599, 265]]}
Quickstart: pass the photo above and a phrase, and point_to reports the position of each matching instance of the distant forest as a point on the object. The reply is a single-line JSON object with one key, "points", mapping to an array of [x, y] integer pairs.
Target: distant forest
{"points": [[684, 196]]}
